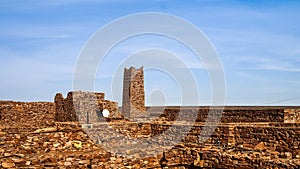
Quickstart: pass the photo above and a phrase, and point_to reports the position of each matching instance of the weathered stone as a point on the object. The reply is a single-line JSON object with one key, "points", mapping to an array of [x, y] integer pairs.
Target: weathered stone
{"points": [[85, 107], [7, 154], [23, 147], [260, 146], [8, 165], [67, 163], [133, 103], [18, 160]]}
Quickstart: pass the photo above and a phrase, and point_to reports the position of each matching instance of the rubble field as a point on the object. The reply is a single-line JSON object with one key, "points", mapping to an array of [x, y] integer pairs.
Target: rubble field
{"points": [[246, 137]]}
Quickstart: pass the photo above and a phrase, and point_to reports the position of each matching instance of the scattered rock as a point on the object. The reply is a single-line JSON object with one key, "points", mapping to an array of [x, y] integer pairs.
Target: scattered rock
{"points": [[56, 145], [67, 163], [7, 154], [77, 144], [18, 160], [8, 165], [260, 146]]}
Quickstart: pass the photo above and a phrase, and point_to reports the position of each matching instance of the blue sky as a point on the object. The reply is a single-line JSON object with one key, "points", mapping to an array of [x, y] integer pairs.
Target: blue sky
{"points": [[258, 43]]}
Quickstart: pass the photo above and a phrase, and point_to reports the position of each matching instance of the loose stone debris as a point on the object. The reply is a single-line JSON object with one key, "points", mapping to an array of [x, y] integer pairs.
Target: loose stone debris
{"points": [[33, 139], [72, 133]]}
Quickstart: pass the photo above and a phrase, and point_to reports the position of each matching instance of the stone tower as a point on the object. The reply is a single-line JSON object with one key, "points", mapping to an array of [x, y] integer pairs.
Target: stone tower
{"points": [[133, 92]]}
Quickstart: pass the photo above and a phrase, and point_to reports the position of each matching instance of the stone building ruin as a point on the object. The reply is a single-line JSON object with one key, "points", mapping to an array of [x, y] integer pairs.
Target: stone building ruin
{"points": [[133, 102], [85, 107], [48, 135]]}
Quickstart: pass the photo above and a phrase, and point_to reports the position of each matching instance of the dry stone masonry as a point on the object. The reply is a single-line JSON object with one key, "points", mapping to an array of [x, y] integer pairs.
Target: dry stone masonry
{"points": [[237, 114], [31, 138], [25, 116], [133, 102], [50, 135], [291, 115], [85, 107]]}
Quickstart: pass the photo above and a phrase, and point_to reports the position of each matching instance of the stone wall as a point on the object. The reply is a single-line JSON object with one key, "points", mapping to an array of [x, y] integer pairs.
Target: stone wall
{"points": [[24, 116], [292, 115], [85, 107], [26, 143], [224, 135], [69, 147], [133, 102], [242, 145], [236, 114], [278, 138]]}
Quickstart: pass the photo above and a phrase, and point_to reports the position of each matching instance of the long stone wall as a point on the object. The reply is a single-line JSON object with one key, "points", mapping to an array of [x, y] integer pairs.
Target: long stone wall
{"points": [[259, 145], [24, 116], [236, 114], [291, 115], [276, 138]]}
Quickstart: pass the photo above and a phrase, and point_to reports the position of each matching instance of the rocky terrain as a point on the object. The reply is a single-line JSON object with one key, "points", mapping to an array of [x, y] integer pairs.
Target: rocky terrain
{"points": [[30, 137]]}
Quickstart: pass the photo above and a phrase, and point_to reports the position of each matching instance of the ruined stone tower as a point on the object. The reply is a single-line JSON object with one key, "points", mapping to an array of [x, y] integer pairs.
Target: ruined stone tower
{"points": [[133, 92]]}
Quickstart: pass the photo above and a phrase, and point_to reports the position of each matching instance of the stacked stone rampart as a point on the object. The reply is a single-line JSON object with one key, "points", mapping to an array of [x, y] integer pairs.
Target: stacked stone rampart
{"points": [[280, 137], [229, 144], [25, 116], [236, 114], [292, 115]]}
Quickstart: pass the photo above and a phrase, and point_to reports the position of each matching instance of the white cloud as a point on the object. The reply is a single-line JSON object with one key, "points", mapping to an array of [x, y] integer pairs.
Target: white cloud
{"points": [[273, 67]]}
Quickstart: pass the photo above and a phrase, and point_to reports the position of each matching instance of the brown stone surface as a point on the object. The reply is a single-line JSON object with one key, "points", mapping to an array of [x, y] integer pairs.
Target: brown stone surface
{"points": [[24, 116], [292, 115], [30, 138], [77, 104], [133, 103], [235, 114]]}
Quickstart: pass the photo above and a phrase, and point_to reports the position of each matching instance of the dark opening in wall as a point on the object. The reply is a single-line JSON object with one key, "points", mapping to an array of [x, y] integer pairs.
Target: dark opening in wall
{"points": [[99, 113]]}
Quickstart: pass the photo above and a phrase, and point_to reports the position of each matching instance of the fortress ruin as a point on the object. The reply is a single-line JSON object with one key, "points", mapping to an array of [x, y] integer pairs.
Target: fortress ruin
{"points": [[50, 134]]}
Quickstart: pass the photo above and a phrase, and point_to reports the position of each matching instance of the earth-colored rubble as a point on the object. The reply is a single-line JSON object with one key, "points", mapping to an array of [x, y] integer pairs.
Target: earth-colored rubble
{"points": [[28, 141], [52, 135]]}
